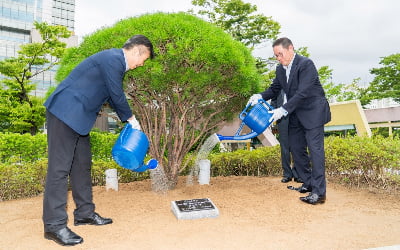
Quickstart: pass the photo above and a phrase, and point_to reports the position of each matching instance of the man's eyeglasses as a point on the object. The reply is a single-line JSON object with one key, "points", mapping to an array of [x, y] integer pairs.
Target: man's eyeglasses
{"points": [[280, 54]]}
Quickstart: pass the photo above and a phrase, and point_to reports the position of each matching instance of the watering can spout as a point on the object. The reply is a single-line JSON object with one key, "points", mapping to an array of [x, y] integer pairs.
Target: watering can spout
{"points": [[130, 150], [238, 137], [257, 118], [151, 164]]}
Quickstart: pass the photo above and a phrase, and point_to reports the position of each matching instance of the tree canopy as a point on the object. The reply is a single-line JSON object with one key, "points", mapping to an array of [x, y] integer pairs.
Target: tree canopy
{"points": [[199, 78], [386, 83], [239, 19]]}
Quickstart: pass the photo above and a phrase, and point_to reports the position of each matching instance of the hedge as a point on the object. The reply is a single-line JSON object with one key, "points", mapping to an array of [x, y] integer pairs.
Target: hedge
{"points": [[19, 181], [364, 162], [23, 163], [22, 148], [25, 148], [264, 161], [353, 161]]}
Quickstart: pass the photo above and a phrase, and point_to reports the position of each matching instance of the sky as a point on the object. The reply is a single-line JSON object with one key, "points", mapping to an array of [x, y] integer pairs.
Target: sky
{"points": [[349, 36]]}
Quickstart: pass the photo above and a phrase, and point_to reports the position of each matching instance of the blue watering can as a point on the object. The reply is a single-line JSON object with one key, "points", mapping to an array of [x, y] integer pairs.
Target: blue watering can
{"points": [[255, 117], [130, 150]]}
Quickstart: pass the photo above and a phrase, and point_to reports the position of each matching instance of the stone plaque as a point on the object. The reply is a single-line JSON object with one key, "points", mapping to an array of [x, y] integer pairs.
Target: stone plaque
{"points": [[194, 209], [194, 205]]}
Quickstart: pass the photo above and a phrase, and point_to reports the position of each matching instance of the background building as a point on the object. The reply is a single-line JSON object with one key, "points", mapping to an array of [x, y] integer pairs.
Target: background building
{"points": [[16, 28]]}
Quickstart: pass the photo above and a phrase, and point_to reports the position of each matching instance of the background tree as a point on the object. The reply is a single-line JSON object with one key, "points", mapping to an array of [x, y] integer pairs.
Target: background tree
{"points": [[242, 22], [239, 19], [200, 78], [386, 83], [19, 111]]}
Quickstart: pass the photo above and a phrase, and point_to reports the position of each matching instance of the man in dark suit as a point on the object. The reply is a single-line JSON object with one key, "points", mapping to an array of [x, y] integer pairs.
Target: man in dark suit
{"points": [[308, 111], [282, 124], [71, 113]]}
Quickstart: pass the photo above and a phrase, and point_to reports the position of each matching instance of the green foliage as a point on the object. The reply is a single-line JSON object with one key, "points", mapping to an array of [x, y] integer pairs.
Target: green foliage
{"points": [[21, 148], [23, 163], [264, 161], [17, 148], [338, 92], [20, 117], [303, 51], [190, 53], [380, 131], [20, 112], [22, 180], [239, 19], [26, 180], [362, 161], [386, 83], [199, 78], [353, 161], [102, 143]]}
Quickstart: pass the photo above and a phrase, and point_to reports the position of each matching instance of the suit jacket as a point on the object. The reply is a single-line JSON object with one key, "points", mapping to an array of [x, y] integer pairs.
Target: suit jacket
{"points": [[304, 92], [96, 80]]}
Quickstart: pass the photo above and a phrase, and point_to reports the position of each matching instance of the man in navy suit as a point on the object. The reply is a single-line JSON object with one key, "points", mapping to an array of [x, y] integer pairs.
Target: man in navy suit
{"points": [[308, 111], [71, 113]]}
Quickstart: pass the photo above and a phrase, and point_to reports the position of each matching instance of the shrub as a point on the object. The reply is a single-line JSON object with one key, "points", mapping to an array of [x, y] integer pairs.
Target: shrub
{"points": [[265, 161], [21, 148], [26, 180], [22, 180], [102, 143], [18, 148], [362, 161], [353, 161]]}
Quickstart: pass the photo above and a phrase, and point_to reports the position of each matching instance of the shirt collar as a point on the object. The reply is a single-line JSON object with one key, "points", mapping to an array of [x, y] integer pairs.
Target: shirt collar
{"points": [[290, 64], [126, 61]]}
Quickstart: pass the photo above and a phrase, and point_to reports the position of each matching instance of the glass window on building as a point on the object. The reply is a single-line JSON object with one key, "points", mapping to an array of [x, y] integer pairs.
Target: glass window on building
{"points": [[6, 12], [17, 18], [3, 52]]}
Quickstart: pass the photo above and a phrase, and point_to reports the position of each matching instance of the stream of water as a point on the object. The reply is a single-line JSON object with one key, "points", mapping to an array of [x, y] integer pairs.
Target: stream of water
{"points": [[203, 153], [159, 182]]}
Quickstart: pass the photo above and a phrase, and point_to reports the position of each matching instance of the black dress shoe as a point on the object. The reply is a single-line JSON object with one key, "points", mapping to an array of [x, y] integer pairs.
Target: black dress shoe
{"points": [[313, 199], [286, 179], [298, 180], [96, 219], [64, 237], [302, 189]]}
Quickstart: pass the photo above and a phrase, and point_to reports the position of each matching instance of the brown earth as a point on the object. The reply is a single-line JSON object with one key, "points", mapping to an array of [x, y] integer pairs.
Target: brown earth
{"points": [[255, 213]]}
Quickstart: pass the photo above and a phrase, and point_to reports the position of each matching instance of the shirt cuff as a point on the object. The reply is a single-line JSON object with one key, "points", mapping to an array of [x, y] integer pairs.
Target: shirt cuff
{"points": [[284, 111]]}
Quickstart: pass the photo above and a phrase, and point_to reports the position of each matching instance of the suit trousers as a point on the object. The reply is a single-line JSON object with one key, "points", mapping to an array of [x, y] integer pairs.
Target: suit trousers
{"points": [[69, 156], [308, 145], [283, 128]]}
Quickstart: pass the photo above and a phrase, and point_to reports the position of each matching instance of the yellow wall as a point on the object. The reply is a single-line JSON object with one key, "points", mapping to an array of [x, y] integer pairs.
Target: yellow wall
{"points": [[347, 113]]}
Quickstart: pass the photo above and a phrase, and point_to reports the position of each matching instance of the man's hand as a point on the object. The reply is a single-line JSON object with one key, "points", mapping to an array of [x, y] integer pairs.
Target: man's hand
{"points": [[277, 114], [135, 124], [254, 99]]}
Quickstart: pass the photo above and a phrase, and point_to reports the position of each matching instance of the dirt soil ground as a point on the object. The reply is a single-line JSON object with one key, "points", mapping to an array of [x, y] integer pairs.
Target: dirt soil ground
{"points": [[255, 213]]}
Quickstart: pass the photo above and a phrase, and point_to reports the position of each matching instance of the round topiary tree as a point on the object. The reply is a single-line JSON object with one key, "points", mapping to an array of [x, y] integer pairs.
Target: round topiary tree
{"points": [[200, 78]]}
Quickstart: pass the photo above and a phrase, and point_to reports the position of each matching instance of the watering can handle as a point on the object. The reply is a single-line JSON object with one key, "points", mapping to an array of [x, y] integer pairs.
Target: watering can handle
{"points": [[262, 101], [240, 129], [243, 114]]}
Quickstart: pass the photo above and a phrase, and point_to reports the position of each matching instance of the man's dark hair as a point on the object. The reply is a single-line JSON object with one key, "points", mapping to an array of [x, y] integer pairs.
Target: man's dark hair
{"points": [[284, 41], [139, 40]]}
